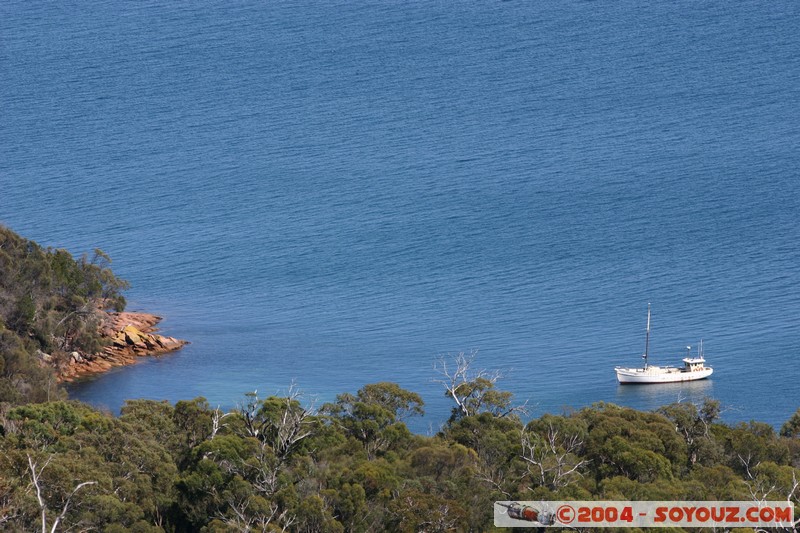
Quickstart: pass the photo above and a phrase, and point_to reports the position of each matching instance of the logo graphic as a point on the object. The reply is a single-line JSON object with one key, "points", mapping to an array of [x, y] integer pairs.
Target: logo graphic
{"points": [[644, 514], [527, 513]]}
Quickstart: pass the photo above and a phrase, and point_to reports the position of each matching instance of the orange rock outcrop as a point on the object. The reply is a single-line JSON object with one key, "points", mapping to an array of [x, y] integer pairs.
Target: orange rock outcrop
{"points": [[131, 335]]}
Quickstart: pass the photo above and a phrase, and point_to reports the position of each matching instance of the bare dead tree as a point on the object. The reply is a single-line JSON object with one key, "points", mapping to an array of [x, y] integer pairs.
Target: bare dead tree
{"points": [[497, 477], [473, 391], [293, 425], [217, 416], [36, 473], [455, 373], [279, 429], [242, 518], [761, 489], [746, 464], [552, 458]]}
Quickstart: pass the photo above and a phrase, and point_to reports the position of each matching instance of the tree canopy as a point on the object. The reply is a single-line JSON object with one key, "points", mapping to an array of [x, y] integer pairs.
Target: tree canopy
{"points": [[279, 464]]}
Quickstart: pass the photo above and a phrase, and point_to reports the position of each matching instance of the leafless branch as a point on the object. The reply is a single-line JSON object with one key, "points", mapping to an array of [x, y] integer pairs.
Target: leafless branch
{"points": [[36, 473], [217, 417], [552, 458]]}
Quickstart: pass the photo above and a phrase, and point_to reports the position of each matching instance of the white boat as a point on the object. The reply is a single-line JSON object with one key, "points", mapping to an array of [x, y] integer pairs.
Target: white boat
{"points": [[693, 368]]}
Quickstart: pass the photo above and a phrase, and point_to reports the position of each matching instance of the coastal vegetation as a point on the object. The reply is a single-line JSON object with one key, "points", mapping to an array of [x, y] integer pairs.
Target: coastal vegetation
{"points": [[283, 463], [51, 306], [280, 464]]}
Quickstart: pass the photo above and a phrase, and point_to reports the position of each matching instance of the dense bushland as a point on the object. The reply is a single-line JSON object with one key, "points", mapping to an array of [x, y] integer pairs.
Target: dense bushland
{"points": [[277, 464]]}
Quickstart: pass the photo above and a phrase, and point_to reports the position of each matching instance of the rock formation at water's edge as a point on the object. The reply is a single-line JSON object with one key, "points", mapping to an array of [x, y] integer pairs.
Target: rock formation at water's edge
{"points": [[131, 335]]}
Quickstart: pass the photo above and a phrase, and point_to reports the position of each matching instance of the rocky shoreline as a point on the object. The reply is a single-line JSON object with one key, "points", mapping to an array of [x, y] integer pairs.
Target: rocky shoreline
{"points": [[131, 336]]}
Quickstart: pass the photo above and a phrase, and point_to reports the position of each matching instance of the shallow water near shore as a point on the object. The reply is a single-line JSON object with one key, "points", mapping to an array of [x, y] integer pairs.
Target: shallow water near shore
{"points": [[339, 194]]}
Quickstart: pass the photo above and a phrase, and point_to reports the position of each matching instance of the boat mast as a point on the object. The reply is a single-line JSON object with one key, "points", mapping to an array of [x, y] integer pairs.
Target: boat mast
{"points": [[647, 338]]}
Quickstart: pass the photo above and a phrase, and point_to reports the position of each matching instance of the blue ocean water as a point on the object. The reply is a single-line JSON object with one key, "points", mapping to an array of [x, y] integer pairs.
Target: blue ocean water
{"points": [[340, 194]]}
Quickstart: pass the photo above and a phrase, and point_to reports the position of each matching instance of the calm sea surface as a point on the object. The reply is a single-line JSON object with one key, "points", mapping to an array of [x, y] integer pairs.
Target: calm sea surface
{"points": [[335, 194]]}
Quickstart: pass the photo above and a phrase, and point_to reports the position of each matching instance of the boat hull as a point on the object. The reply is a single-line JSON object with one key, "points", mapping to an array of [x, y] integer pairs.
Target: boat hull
{"points": [[659, 375]]}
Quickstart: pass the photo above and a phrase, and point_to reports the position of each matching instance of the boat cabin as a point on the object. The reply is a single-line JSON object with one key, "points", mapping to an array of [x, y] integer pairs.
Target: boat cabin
{"points": [[693, 364]]}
